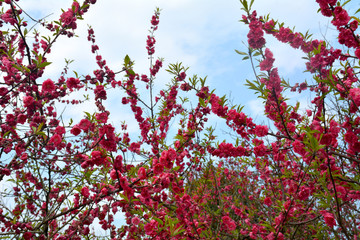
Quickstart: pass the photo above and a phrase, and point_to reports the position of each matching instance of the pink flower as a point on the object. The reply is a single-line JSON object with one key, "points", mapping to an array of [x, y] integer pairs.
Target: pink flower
{"points": [[155, 69], [108, 137], [102, 117], [27, 235], [357, 53], [68, 18], [261, 131], [167, 158], [182, 76], [304, 193], [98, 158], [44, 46], [48, 86], [151, 227], [354, 93], [255, 35], [108, 144], [115, 174], [56, 139], [3, 91], [21, 118], [75, 130], [229, 224], [154, 20], [104, 191], [84, 124], [341, 17], [158, 168], [8, 17], [72, 83], [85, 192], [150, 42], [268, 201], [135, 221], [267, 63], [142, 173], [75, 6], [100, 92], [329, 218], [28, 101], [271, 236], [60, 130]]}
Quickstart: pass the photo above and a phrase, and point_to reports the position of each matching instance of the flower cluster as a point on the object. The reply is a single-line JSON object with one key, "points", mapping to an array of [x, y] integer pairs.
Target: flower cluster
{"points": [[255, 35]]}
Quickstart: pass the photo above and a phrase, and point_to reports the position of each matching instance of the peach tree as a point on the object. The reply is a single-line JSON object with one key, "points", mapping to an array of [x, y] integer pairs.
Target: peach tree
{"points": [[297, 178]]}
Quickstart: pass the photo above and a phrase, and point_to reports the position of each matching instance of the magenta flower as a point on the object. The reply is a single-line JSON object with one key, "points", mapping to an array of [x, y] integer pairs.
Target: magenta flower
{"points": [[48, 86], [85, 192]]}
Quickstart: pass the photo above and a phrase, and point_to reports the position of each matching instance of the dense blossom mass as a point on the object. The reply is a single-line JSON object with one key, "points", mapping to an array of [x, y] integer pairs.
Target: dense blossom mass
{"points": [[296, 178]]}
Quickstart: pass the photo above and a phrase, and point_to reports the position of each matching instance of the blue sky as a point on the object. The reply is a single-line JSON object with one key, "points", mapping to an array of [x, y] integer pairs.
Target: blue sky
{"points": [[202, 34]]}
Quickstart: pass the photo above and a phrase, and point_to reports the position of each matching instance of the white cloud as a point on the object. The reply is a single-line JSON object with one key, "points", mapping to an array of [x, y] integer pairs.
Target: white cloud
{"points": [[256, 107]]}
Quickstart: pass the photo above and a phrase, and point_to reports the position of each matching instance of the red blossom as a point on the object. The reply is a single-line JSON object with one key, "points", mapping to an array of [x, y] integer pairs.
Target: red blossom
{"points": [[56, 139], [329, 218], [354, 94], [85, 192], [76, 130], [155, 20], [48, 86], [73, 83], [229, 224], [268, 201], [28, 101], [255, 35], [261, 131], [142, 173], [100, 92], [60, 130], [102, 117], [27, 235], [158, 168], [341, 17], [357, 53], [135, 221], [84, 125]]}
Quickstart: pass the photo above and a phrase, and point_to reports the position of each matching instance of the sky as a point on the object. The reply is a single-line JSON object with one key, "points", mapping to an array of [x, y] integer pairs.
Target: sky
{"points": [[201, 34]]}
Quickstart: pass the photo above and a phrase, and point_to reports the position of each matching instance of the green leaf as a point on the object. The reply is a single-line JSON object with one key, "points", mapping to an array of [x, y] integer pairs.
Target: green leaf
{"points": [[245, 4], [178, 231], [44, 64], [251, 3], [346, 2], [88, 115], [88, 173], [257, 53], [158, 220], [42, 134], [131, 72], [357, 11], [241, 53], [202, 102], [20, 68], [127, 60]]}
